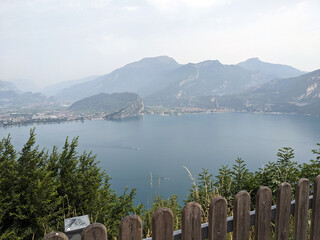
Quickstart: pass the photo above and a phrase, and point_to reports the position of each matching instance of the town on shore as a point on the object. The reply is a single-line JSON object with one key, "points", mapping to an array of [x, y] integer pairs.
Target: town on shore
{"points": [[54, 114]]}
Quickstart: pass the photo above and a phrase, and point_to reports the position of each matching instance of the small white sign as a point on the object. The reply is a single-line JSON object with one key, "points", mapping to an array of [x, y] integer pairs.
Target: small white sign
{"points": [[76, 223]]}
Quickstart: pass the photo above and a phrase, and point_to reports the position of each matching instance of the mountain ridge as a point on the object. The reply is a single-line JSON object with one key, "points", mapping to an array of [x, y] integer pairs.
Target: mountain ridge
{"points": [[272, 69], [115, 105], [154, 76], [292, 95], [8, 86], [53, 89], [136, 77]]}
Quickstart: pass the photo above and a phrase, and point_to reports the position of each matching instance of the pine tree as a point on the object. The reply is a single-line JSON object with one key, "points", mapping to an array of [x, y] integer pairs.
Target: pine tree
{"points": [[39, 189]]}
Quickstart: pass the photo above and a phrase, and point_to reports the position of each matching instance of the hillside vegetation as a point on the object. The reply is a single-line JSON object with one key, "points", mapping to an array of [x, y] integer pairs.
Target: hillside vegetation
{"points": [[106, 102], [114, 106]]}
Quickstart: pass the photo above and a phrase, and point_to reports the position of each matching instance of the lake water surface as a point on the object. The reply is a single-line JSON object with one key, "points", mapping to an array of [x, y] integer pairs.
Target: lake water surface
{"points": [[130, 150]]}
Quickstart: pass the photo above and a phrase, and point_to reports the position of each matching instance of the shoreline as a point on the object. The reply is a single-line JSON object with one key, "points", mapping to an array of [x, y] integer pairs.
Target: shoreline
{"points": [[164, 112]]}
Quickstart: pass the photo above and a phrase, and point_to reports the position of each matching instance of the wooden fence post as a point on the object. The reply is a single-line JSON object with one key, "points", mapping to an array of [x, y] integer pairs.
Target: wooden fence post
{"points": [[315, 218], [95, 231], [241, 216], [301, 209], [130, 228], [283, 209], [218, 219], [55, 236], [263, 214], [191, 222], [162, 224]]}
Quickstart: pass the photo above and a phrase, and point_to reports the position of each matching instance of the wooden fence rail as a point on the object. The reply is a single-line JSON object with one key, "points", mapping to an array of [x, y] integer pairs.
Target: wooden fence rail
{"points": [[239, 224]]}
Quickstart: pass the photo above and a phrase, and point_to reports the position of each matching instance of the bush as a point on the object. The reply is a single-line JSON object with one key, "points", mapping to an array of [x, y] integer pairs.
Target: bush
{"points": [[39, 189]]}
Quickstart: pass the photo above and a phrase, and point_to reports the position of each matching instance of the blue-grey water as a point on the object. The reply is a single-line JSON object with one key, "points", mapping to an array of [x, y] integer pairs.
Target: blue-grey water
{"points": [[132, 149]]}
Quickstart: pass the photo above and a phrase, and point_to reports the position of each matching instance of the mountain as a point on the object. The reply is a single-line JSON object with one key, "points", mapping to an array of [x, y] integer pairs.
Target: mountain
{"points": [[8, 93], [208, 78], [142, 77], [297, 95], [271, 70], [15, 99], [163, 81], [12, 96], [116, 105], [8, 86], [25, 85], [56, 88], [292, 95]]}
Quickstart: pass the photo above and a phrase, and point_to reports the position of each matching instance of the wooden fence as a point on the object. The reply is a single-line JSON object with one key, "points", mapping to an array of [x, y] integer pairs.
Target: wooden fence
{"points": [[219, 224]]}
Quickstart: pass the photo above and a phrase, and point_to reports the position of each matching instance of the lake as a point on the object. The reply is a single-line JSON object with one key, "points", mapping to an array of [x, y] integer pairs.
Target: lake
{"points": [[132, 149]]}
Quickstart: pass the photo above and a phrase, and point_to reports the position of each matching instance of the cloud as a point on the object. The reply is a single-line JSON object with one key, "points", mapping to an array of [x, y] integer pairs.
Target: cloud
{"points": [[174, 5], [130, 8], [55, 40], [203, 3]]}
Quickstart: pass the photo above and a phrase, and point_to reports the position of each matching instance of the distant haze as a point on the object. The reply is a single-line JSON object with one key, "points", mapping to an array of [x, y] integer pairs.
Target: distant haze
{"points": [[52, 41]]}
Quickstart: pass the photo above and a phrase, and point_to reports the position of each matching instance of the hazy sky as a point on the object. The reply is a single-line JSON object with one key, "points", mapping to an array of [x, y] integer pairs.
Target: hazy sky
{"points": [[55, 40]]}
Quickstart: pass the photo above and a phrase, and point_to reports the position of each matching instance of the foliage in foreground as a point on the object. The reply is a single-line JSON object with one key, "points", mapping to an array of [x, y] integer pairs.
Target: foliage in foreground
{"points": [[38, 189], [160, 202], [230, 181]]}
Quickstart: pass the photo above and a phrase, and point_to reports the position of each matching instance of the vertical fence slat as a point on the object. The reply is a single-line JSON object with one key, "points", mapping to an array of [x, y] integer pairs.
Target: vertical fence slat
{"points": [[241, 219], [283, 211], [263, 214], [315, 218], [218, 219], [301, 209], [130, 228], [55, 236], [95, 231], [191, 222], [162, 224]]}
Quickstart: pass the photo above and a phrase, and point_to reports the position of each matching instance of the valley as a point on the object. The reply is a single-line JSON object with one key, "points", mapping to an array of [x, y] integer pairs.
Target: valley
{"points": [[160, 85]]}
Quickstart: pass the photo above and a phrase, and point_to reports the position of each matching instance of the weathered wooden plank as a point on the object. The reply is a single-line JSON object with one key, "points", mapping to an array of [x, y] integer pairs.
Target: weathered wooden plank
{"points": [[241, 213], [301, 209], [162, 224], [263, 214], [95, 231], [191, 222], [218, 219], [283, 211], [315, 217], [130, 228], [55, 236]]}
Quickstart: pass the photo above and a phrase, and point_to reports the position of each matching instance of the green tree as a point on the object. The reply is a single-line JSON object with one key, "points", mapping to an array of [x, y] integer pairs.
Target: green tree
{"points": [[312, 169], [283, 170], [242, 177], [8, 179], [159, 202], [224, 183], [32, 206], [39, 189], [203, 192]]}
